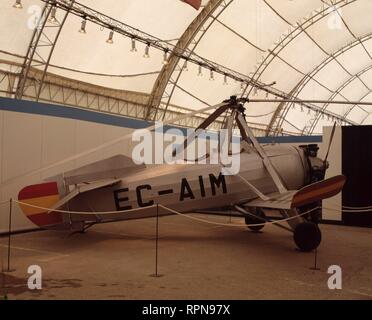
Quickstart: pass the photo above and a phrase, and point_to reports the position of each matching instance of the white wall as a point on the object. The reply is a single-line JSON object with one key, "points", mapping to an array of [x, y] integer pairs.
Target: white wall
{"points": [[30, 142]]}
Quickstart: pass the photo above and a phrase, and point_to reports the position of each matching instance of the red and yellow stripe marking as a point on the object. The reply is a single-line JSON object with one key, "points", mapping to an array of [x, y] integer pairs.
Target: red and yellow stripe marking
{"points": [[318, 191], [43, 195]]}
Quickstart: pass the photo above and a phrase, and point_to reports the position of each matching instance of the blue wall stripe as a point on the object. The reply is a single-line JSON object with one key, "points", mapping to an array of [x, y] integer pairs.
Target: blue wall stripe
{"points": [[291, 139], [68, 112]]}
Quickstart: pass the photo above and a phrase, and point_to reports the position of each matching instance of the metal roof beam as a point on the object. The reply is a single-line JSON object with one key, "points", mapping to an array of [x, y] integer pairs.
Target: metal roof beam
{"points": [[311, 75]]}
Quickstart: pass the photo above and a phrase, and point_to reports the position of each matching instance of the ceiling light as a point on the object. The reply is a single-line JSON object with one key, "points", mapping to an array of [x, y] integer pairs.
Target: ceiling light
{"points": [[53, 13], [83, 25], [200, 72], [185, 68], [133, 49], [18, 4], [225, 80], [211, 75], [147, 51], [165, 58], [111, 37]]}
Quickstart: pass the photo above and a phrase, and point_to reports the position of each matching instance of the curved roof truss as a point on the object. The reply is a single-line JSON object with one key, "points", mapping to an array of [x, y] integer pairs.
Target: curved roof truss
{"points": [[258, 62]]}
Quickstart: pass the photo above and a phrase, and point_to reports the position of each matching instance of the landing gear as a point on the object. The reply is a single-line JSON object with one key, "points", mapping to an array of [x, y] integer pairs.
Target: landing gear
{"points": [[307, 236], [249, 220], [315, 214], [82, 227]]}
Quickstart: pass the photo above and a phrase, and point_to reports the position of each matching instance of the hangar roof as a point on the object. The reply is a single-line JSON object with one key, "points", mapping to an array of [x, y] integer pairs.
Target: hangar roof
{"points": [[311, 49]]}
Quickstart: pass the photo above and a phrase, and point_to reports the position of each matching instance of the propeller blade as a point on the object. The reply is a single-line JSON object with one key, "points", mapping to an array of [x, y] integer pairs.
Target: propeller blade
{"points": [[330, 142]]}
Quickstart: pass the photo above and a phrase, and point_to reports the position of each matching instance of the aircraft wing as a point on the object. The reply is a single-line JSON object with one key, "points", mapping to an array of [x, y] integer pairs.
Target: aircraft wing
{"points": [[297, 198]]}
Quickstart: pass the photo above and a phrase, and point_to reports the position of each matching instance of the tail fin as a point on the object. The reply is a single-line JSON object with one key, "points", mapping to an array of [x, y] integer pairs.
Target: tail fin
{"points": [[43, 195]]}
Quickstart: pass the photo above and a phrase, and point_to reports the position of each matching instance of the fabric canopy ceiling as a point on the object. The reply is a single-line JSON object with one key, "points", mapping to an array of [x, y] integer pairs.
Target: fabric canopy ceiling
{"points": [[311, 49]]}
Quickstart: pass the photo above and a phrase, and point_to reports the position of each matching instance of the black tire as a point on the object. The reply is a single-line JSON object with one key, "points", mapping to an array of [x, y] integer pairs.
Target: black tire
{"points": [[251, 220], [307, 236]]}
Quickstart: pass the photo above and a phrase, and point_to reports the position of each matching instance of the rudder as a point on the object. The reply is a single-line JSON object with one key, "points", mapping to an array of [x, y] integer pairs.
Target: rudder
{"points": [[43, 195]]}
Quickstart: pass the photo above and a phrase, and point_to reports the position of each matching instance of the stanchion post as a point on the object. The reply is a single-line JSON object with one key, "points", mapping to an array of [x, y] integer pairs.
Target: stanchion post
{"points": [[156, 243], [157, 240], [315, 260], [9, 234]]}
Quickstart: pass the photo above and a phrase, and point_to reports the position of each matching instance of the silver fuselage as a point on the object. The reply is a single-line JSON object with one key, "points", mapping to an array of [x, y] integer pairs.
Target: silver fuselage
{"points": [[190, 187]]}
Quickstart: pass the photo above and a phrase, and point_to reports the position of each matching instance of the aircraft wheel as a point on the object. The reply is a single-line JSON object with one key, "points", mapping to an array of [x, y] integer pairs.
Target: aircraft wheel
{"points": [[251, 220], [307, 236]]}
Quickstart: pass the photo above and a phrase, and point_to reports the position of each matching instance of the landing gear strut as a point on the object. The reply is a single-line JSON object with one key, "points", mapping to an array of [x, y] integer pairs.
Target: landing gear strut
{"points": [[253, 216]]}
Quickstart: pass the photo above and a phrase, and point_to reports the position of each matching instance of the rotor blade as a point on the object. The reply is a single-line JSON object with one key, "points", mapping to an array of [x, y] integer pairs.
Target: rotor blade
{"points": [[189, 139], [193, 113], [360, 103], [105, 145], [330, 142], [213, 116]]}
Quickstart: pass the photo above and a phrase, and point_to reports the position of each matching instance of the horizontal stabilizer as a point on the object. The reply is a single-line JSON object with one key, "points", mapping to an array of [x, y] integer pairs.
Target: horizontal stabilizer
{"points": [[110, 168], [83, 188], [38, 201]]}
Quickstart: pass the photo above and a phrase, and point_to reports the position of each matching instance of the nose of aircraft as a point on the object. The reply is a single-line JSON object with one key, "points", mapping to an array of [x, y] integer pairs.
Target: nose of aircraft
{"points": [[317, 166], [317, 169]]}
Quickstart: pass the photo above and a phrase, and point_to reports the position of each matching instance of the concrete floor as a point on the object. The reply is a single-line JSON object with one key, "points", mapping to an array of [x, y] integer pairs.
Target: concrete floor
{"points": [[196, 261]]}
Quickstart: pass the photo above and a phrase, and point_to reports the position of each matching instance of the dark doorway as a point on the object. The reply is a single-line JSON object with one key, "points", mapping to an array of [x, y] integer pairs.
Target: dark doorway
{"points": [[357, 167]]}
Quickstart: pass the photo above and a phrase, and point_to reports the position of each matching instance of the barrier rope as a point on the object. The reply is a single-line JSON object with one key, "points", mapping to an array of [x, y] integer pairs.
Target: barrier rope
{"points": [[344, 208], [348, 210], [239, 225], [357, 208], [51, 211]]}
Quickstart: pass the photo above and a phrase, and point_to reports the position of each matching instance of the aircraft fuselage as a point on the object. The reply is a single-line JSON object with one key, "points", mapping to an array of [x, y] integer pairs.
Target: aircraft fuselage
{"points": [[189, 187]]}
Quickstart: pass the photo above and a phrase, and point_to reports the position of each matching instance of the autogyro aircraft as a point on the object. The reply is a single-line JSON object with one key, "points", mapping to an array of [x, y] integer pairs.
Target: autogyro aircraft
{"points": [[287, 179]]}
